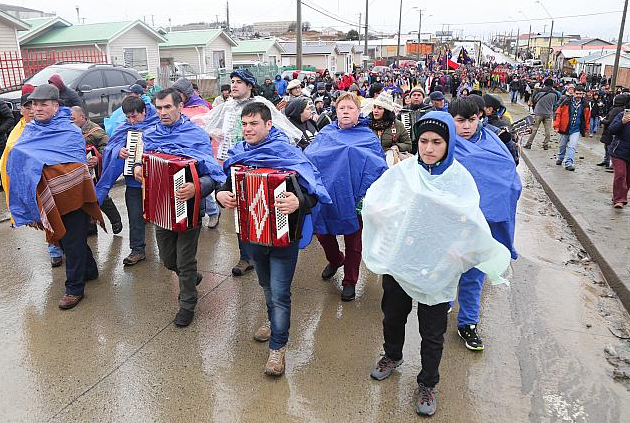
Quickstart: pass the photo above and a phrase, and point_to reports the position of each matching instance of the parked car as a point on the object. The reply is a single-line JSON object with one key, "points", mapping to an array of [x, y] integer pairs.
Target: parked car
{"points": [[301, 74], [98, 85]]}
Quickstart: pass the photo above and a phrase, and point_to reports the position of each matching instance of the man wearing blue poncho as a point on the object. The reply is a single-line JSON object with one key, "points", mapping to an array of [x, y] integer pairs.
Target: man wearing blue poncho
{"points": [[350, 158], [176, 134], [267, 147], [492, 166], [138, 119]]}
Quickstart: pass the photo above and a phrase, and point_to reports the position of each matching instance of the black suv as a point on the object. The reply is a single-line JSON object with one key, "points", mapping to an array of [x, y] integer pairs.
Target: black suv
{"points": [[98, 85]]}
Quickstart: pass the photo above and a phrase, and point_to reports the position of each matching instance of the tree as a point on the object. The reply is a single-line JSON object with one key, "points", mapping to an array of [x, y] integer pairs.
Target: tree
{"points": [[352, 35]]}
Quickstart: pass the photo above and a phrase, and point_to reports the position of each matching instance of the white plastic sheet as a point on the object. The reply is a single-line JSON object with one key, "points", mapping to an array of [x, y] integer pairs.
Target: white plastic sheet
{"points": [[426, 230]]}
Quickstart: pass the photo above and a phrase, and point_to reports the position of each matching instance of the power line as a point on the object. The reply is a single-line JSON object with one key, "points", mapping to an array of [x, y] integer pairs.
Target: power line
{"points": [[328, 15], [535, 19]]}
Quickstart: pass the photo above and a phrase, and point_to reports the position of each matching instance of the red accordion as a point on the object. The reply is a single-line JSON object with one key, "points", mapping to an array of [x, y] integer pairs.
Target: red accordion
{"points": [[257, 220], [163, 175], [95, 172]]}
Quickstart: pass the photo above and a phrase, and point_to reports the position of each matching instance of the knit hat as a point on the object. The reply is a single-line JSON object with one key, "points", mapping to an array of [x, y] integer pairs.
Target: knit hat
{"points": [[434, 125], [353, 87], [385, 101], [184, 86], [492, 101], [548, 82], [321, 85], [417, 89], [293, 84], [245, 75], [295, 107]]}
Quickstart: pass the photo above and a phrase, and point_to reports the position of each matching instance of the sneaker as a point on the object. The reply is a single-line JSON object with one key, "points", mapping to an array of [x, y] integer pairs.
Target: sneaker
{"points": [[348, 293], [570, 168], [117, 227], [242, 267], [618, 205], [602, 163], [385, 367], [56, 261], [426, 400], [263, 333], [276, 362], [558, 162], [183, 317], [329, 271], [528, 146], [133, 258], [213, 221], [469, 334]]}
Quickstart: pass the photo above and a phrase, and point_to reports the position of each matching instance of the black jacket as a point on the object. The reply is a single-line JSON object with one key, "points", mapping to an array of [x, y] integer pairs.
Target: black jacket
{"points": [[619, 103], [69, 98], [6, 122], [620, 146]]}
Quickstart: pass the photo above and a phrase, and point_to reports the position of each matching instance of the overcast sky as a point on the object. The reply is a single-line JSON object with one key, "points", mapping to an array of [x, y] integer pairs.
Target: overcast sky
{"points": [[459, 15]]}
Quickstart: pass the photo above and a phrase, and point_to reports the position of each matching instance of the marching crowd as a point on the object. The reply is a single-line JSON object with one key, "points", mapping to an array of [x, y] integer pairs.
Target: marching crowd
{"points": [[382, 159]]}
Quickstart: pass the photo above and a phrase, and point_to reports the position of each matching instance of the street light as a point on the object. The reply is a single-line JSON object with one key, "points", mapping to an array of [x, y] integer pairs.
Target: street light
{"points": [[550, 33]]}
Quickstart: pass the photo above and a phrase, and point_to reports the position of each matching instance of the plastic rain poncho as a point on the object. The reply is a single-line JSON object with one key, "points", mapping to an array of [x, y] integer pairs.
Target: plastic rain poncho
{"points": [[427, 229]]}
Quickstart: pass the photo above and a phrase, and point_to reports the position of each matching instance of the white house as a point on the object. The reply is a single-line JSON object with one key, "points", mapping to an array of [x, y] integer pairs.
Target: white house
{"points": [[206, 50], [264, 50]]}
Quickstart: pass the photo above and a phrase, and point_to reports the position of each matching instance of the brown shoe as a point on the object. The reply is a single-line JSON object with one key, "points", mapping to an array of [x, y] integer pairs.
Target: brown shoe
{"points": [[276, 362], [263, 333], [242, 267], [133, 258], [69, 301]]}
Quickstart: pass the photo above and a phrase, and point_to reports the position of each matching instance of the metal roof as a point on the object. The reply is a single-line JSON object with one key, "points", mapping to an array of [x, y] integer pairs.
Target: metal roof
{"points": [[38, 25], [319, 48], [194, 38], [261, 45]]}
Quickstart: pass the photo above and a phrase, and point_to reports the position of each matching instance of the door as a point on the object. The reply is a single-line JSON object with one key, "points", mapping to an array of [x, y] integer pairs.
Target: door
{"points": [[96, 100]]}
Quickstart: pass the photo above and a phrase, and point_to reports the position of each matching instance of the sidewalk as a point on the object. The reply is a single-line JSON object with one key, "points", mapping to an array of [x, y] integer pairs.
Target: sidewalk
{"points": [[584, 199]]}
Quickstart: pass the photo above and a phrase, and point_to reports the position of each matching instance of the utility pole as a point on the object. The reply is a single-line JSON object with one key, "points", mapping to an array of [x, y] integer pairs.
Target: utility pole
{"points": [[78, 15], [227, 16], [399, 23], [518, 35], [419, 31], [359, 28], [365, 46], [298, 36], [619, 43], [549, 48]]}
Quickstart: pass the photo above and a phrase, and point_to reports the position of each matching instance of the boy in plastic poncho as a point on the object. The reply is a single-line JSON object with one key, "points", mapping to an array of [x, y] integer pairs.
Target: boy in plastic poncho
{"points": [[443, 220]]}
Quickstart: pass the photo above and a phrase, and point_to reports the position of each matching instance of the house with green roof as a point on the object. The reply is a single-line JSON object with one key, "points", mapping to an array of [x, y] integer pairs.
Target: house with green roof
{"points": [[132, 44], [9, 27], [205, 50], [265, 50], [40, 25]]}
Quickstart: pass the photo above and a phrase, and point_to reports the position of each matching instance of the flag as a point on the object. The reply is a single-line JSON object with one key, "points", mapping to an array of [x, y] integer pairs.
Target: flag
{"points": [[464, 57]]}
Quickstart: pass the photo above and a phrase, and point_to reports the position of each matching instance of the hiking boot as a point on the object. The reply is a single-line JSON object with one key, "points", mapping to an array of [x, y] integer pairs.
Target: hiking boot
{"points": [[570, 168], [117, 227], [133, 258], [69, 301], [263, 333], [385, 367], [242, 267], [558, 162], [329, 271], [469, 334], [275, 362], [426, 400], [213, 221], [347, 293], [183, 317], [602, 163]]}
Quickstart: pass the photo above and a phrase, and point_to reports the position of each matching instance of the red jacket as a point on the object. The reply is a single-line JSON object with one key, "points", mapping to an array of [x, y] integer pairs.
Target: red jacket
{"points": [[561, 122]]}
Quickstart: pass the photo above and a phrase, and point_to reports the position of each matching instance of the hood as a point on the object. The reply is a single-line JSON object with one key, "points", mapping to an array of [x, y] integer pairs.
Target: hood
{"points": [[295, 108], [57, 82], [445, 163]]}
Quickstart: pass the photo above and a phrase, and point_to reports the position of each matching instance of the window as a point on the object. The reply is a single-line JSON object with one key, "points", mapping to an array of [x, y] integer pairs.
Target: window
{"points": [[129, 78], [94, 79], [115, 78], [273, 60], [136, 58], [218, 59]]}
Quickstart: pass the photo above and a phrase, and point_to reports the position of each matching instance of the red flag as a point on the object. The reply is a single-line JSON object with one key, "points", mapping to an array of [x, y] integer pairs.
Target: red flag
{"points": [[452, 64]]}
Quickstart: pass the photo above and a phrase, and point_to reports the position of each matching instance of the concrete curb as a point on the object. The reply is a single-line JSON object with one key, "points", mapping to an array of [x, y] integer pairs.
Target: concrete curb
{"points": [[579, 228]]}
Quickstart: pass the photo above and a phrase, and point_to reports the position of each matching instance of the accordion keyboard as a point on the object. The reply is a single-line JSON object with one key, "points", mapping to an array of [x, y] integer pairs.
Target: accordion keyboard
{"points": [[181, 207], [133, 139]]}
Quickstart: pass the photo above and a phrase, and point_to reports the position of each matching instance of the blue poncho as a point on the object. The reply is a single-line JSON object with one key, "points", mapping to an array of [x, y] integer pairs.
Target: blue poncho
{"points": [[490, 163], [276, 152], [349, 160], [117, 117], [184, 138], [41, 144], [113, 165]]}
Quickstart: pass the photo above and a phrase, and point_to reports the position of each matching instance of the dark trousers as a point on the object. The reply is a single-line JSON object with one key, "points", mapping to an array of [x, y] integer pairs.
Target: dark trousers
{"points": [[335, 257], [396, 306], [79, 259], [275, 268], [178, 252], [109, 209], [133, 200], [621, 180]]}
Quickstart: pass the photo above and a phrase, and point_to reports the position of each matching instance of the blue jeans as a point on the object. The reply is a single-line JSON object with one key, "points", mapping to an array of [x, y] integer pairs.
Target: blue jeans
{"points": [[212, 208], [54, 251], [469, 296], [242, 248], [568, 146], [133, 200], [275, 268], [594, 124], [513, 96], [80, 262]]}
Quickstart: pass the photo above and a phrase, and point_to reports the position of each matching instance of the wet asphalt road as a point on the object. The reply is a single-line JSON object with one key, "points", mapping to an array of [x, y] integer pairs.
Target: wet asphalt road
{"points": [[118, 358]]}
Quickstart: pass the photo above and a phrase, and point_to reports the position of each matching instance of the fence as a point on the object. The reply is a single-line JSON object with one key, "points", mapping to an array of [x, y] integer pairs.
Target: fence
{"points": [[260, 72], [15, 67]]}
